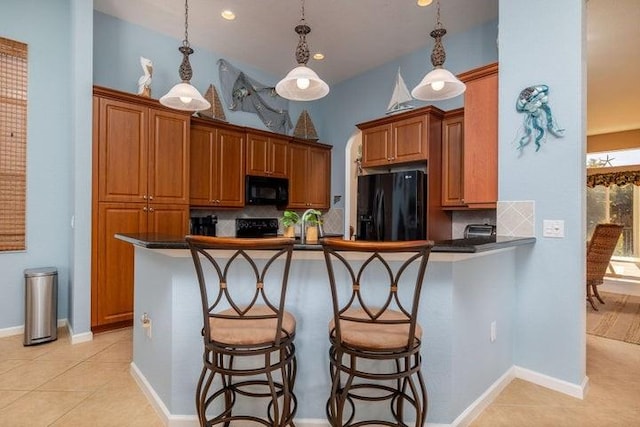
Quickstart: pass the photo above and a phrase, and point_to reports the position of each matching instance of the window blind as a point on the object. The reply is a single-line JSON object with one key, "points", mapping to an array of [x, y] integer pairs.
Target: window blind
{"points": [[13, 144]]}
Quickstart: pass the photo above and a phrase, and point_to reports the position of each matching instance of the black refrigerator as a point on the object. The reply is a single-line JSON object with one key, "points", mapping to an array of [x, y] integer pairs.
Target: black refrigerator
{"points": [[391, 206]]}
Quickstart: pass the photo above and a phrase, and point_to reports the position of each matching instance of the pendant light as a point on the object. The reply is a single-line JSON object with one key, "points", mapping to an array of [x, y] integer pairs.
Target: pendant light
{"points": [[183, 96], [302, 83], [439, 83]]}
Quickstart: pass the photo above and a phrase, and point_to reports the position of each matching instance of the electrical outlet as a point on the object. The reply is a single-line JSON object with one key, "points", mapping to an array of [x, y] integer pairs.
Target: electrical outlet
{"points": [[146, 324], [493, 334], [553, 228]]}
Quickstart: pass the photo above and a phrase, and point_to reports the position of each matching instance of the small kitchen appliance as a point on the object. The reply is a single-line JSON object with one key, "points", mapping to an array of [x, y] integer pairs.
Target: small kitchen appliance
{"points": [[473, 231], [204, 225]]}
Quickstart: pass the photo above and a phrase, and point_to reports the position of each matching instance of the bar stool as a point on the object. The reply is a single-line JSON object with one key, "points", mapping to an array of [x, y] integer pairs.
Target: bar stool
{"points": [[248, 335], [374, 335]]}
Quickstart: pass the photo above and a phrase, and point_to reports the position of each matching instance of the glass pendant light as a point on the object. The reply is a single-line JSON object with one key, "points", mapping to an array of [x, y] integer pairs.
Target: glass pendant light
{"points": [[302, 83], [183, 96], [439, 83]]}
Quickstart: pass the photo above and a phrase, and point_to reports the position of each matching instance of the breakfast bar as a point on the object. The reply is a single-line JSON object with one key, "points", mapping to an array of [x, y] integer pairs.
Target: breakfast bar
{"points": [[466, 312]]}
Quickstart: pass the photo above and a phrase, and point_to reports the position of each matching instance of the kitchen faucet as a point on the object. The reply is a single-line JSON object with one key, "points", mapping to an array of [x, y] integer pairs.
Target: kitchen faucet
{"points": [[303, 227]]}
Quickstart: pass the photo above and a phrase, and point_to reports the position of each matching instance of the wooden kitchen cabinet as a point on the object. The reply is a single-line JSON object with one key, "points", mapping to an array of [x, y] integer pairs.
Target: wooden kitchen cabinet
{"points": [[267, 154], [399, 139], [452, 158], [309, 175], [112, 300], [140, 184], [143, 153], [217, 165], [470, 148]]}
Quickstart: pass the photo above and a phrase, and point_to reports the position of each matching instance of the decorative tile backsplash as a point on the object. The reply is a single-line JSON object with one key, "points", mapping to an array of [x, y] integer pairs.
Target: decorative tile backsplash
{"points": [[516, 219], [461, 219]]}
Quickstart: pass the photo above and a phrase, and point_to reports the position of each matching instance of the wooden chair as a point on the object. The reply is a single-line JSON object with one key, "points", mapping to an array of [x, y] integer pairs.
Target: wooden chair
{"points": [[599, 251], [248, 335], [374, 335]]}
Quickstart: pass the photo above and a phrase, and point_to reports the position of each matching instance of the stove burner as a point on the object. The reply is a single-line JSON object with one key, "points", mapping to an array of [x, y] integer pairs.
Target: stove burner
{"points": [[256, 227]]}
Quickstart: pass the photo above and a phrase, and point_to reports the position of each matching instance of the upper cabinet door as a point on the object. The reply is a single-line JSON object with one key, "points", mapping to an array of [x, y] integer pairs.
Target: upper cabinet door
{"points": [[376, 146], [319, 178], [201, 167], [230, 169], [453, 160], [410, 140], [122, 151], [298, 171], [278, 158], [481, 139], [257, 154], [168, 157], [267, 155]]}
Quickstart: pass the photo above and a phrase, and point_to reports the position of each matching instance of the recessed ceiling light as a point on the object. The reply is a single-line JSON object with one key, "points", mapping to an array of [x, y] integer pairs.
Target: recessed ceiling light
{"points": [[318, 56], [424, 2], [228, 15]]}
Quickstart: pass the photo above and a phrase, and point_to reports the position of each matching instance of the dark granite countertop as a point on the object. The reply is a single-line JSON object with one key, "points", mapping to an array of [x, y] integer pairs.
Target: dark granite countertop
{"points": [[479, 244]]}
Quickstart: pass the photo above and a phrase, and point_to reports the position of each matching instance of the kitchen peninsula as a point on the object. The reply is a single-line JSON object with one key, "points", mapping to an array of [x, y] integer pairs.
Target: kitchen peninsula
{"points": [[464, 295]]}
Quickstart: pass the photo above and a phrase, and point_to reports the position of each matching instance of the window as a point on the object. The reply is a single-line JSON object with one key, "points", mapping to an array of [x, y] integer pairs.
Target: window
{"points": [[13, 144]]}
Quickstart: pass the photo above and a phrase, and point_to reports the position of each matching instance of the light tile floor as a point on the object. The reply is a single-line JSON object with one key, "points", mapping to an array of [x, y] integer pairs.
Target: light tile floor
{"points": [[63, 385], [88, 384], [613, 398]]}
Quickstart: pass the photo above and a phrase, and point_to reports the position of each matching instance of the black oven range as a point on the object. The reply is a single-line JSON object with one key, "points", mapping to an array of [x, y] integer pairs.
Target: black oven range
{"points": [[256, 227]]}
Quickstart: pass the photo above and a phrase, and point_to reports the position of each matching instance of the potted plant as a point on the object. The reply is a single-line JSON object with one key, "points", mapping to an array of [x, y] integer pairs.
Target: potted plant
{"points": [[289, 220], [312, 220]]}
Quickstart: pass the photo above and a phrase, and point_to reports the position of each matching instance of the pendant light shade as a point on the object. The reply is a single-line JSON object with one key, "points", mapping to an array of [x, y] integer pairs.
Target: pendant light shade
{"points": [[183, 96], [439, 83], [302, 83]]}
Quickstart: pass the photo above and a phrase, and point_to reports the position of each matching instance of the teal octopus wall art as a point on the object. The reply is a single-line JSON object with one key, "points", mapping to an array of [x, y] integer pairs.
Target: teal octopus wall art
{"points": [[533, 101]]}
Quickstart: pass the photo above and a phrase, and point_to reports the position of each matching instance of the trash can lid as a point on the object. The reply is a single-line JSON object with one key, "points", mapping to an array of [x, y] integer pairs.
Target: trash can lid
{"points": [[42, 271]]}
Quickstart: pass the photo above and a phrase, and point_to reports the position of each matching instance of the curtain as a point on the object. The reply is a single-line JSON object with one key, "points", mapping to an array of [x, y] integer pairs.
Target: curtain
{"points": [[620, 176]]}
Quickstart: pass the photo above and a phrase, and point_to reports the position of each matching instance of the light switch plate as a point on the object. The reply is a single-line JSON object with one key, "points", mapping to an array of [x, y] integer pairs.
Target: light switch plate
{"points": [[553, 228]]}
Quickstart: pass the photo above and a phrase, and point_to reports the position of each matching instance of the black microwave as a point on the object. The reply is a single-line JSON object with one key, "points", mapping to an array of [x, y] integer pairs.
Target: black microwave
{"points": [[260, 190]]}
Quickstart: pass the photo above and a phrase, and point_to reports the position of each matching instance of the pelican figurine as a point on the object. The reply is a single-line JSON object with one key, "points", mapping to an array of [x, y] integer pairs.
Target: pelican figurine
{"points": [[144, 82]]}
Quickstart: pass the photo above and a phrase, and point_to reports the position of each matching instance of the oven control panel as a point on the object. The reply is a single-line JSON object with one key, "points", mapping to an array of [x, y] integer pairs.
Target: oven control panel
{"points": [[256, 227]]}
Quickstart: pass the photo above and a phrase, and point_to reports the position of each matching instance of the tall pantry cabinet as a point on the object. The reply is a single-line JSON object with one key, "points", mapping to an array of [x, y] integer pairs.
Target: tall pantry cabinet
{"points": [[140, 184]]}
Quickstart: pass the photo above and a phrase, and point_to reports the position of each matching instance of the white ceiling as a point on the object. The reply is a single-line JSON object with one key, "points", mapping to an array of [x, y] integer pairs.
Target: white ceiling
{"points": [[358, 35]]}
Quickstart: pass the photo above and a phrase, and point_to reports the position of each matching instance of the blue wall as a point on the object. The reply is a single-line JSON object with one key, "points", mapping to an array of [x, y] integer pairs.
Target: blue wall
{"points": [[44, 26], [550, 313], [120, 68]]}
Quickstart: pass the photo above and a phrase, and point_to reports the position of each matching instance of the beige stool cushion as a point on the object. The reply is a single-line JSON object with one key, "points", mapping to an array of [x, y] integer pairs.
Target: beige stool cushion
{"points": [[375, 336], [244, 331]]}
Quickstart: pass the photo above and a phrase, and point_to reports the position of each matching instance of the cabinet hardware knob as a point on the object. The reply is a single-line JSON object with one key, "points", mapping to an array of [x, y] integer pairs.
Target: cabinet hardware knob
{"points": [[144, 197], [150, 197], [144, 209], [150, 209]]}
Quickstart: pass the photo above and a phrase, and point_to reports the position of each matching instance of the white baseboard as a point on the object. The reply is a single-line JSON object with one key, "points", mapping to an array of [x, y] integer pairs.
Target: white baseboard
{"points": [[481, 403], [79, 338], [463, 420], [8, 332], [565, 387], [19, 330]]}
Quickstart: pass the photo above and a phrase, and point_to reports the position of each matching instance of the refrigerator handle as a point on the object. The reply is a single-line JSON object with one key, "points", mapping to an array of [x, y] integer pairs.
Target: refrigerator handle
{"points": [[380, 215], [374, 217]]}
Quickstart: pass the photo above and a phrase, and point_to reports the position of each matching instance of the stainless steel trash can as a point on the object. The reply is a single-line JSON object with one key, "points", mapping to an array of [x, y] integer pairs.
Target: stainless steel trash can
{"points": [[41, 305]]}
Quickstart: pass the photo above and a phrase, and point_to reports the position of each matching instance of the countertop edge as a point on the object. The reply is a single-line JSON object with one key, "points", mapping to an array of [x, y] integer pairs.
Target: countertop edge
{"points": [[156, 241]]}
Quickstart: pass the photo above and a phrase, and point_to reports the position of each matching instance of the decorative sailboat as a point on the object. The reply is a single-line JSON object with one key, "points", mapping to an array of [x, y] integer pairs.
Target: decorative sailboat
{"points": [[400, 96]]}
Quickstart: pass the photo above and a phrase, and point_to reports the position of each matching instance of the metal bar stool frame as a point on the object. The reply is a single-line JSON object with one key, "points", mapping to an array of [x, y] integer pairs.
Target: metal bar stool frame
{"points": [[346, 357], [222, 350]]}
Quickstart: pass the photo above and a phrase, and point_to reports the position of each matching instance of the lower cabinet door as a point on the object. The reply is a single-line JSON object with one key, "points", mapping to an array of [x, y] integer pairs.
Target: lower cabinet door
{"points": [[112, 299]]}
